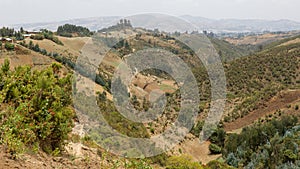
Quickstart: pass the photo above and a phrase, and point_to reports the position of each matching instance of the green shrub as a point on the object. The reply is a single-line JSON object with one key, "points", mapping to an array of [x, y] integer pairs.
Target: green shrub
{"points": [[37, 109], [218, 137], [197, 128], [182, 162], [137, 164], [9, 46], [218, 165], [297, 107], [215, 149], [5, 67], [37, 37], [159, 159], [290, 155]]}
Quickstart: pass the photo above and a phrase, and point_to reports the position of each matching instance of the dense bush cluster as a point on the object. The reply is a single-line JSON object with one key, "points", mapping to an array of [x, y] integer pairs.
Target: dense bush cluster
{"points": [[69, 30], [11, 32], [217, 140], [6, 32], [186, 162], [9, 46], [274, 144], [123, 24], [35, 108], [182, 162], [37, 37]]}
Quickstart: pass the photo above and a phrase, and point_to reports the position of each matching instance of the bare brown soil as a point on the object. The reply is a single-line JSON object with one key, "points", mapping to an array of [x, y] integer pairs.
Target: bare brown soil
{"points": [[199, 151], [29, 58], [71, 47], [291, 42], [279, 102], [149, 83], [259, 39], [90, 159]]}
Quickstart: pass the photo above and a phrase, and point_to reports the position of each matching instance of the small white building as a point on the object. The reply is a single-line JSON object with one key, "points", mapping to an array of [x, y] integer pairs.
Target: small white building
{"points": [[26, 35], [6, 40]]}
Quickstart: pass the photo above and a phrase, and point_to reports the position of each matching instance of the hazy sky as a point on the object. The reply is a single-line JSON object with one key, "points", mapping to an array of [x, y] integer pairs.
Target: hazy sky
{"points": [[28, 11]]}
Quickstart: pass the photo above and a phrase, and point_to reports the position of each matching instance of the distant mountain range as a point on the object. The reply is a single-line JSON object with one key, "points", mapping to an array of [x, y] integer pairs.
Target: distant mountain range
{"points": [[240, 25], [158, 21], [94, 23]]}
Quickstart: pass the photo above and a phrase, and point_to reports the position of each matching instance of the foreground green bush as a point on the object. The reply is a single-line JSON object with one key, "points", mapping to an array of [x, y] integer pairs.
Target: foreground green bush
{"points": [[182, 162], [35, 109]]}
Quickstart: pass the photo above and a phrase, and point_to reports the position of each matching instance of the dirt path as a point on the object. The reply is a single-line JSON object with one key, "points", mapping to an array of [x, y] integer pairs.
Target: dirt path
{"points": [[89, 159], [199, 151], [278, 102]]}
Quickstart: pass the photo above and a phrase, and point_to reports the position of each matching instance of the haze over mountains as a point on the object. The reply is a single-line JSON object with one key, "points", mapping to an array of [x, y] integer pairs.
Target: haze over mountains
{"points": [[148, 21], [240, 25]]}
